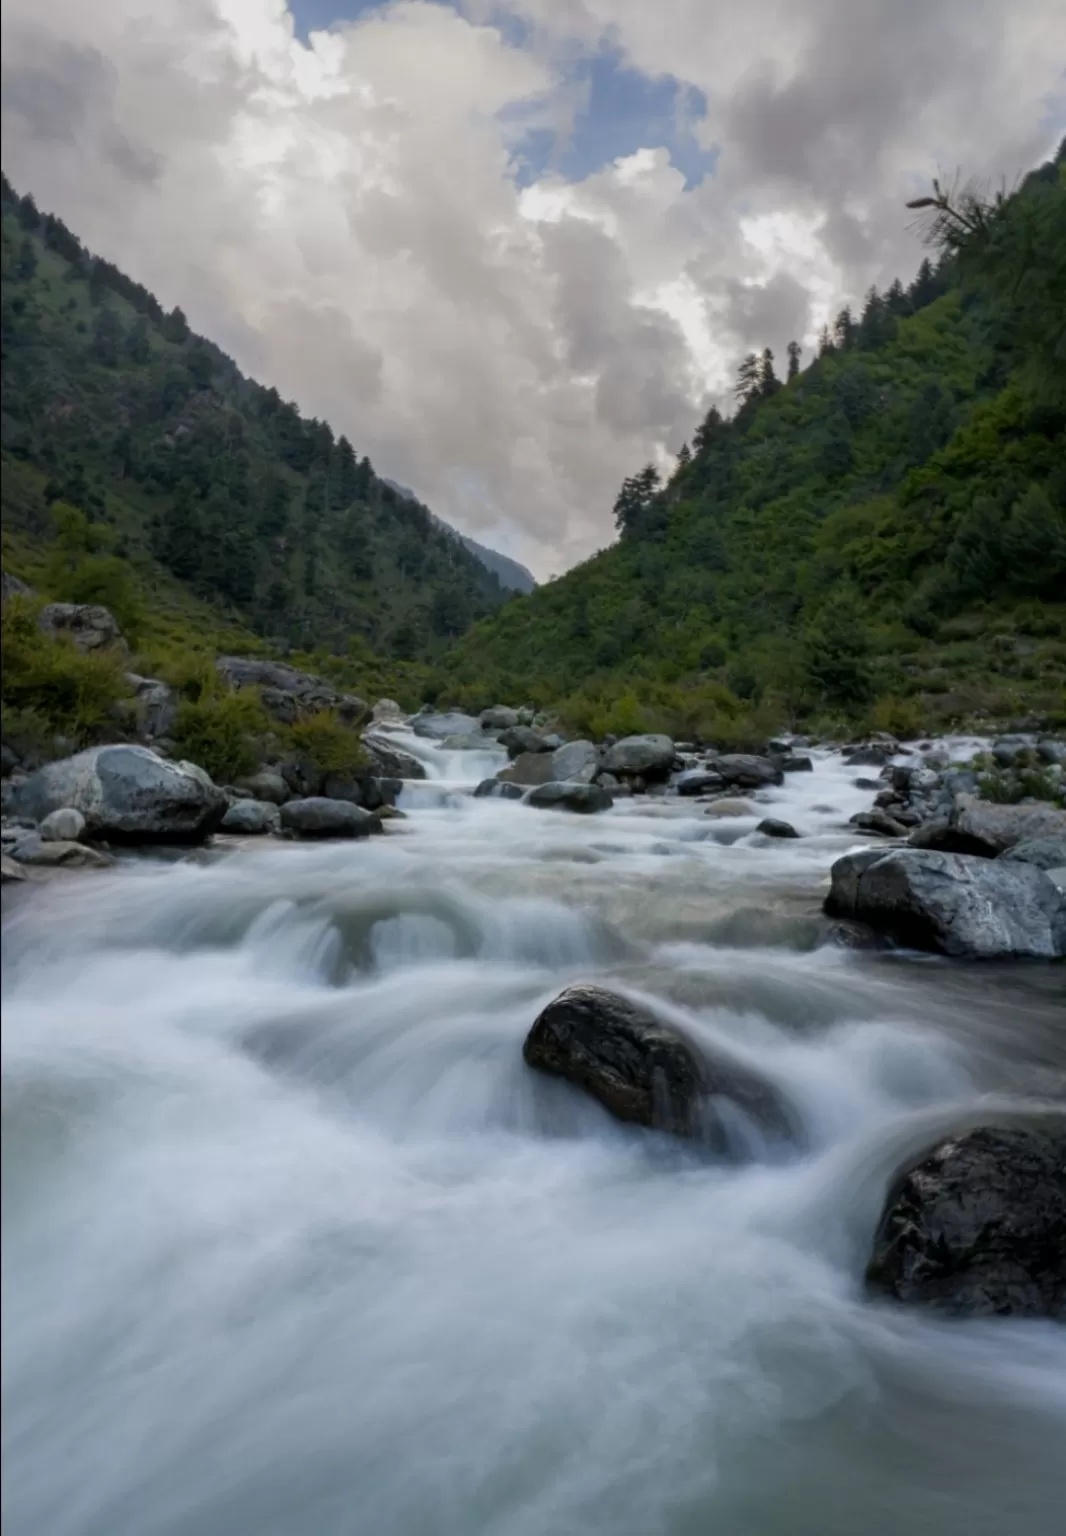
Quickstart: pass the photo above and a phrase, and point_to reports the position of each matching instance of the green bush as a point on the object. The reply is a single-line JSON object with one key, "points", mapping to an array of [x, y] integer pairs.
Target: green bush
{"points": [[328, 743], [219, 732], [73, 692]]}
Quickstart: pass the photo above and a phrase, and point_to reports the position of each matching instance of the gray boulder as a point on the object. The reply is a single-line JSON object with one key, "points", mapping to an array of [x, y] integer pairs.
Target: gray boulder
{"points": [[1045, 852], [434, 727], [266, 785], [697, 781], [523, 738], [977, 1226], [499, 718], [67, 825], [875, 755], [11, 871], [648, 1073], [984, 828], [388, 712], [318, 817], [33, 849], [650, 756], [286, 692], [745, 770], [127, 794], [90, 626], [795, 762], [498, 789], [577, 762], [770, 827], [470, 741], [880, 821], [586, 799], [528, 768], [251, 817], [952, 903], [389, 760]]}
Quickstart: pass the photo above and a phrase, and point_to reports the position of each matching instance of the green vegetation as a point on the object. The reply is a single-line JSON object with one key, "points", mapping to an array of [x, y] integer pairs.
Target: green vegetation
{"points": [[143, 471], [51, 688], [879, 539]]}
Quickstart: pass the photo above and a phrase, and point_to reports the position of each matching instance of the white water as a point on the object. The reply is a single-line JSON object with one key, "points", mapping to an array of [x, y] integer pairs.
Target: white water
{"points": [[295, 1245]]}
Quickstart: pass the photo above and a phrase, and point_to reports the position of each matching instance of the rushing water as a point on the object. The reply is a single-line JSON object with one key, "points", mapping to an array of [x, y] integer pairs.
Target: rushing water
{"points": [[295, 1245]]}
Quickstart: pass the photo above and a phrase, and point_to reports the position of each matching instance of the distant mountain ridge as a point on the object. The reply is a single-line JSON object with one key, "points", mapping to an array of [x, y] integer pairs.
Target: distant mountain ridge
{"points": [[511, 575]]}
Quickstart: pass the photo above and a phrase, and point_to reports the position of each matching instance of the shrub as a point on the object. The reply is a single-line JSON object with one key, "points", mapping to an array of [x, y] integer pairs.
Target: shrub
{"points": [[73, 692], [902, 718], [328, 743], [219, 732]]}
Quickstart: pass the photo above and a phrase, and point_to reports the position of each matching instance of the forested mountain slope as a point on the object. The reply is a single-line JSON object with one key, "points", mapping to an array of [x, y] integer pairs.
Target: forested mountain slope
{"points": [[890, 520], [209, 485]]}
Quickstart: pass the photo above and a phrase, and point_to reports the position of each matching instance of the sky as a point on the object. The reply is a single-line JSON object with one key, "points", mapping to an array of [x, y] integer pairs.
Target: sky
{"points": [[514, 249]]}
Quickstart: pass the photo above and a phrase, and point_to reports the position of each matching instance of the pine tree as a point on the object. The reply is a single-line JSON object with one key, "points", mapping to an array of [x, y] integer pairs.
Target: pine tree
{"points": [[748, 379], [29, 216], [844, 328], [709, 430], [825, 342], [684, 456], [26, 260], [107, 337], [175, 326], [138, 343], [769, 383], [794, 350], [634, 499]]}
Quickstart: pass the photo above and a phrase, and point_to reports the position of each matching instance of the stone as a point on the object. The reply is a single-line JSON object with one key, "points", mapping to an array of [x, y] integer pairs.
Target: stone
{"points": [[251, 817], [586, 799], [498, 789], [1046, 853], [89, 625], [651, 756], [66, 825], [522, 738], [155, 707], [870, 784], [982, 827], [647, 1072], [746, 770], [12, 586], [954, 904], [287, 692], [498, 718], [577, 762], [879, 821], [303, 777], [11, 870], [976, 1227], [266, 785], [528, 768], [316, 816], [388, 712], [770, 827], [33, 849], [1051, 751], [434, 727], [697, 781], [389, 760], [728, 808], [795, 762], [127, 794], [875, 755], [472, 741]]}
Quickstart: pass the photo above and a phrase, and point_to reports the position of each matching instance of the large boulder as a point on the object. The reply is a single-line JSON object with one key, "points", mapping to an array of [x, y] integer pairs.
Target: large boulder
{"points": [[499, 718], [387, 712], [127, 794], [1046, 853], [746, 770], [985, 828], [647, 1072], [977, 1226], [697, 781], [523, 738], [90, 626], [528, 768], [251, 817], [577, 762], [586, 799], [952, 903], [389, 760], [650, 756], [287, 692], [435, 727], [318, 817]]}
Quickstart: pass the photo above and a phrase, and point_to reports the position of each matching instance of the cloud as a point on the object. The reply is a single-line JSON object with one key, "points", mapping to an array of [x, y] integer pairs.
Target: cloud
{"points": [[354, 220]]}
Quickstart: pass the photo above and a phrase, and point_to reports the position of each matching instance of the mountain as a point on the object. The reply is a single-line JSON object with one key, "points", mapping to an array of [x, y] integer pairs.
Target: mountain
{"points": [[207, 486], [884, 531], [511, 576]]}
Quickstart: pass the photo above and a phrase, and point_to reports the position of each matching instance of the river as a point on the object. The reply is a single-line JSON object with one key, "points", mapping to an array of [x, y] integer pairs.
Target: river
{"points": [[296, 1245]]}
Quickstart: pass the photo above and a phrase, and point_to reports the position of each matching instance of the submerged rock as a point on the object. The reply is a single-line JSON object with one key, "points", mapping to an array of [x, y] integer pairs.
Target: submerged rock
{"points": [[127, 794], [977, 1226], [953, 903], [586, 799], [771, 827], [528, 768], [645, 1071], [498, 789], [318, 817]]}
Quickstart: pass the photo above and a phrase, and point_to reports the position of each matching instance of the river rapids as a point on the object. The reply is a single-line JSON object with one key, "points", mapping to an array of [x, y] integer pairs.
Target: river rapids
{"points": [[296, 1245]]}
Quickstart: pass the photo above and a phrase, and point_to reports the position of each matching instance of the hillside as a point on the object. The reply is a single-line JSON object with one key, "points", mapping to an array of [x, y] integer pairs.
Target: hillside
{"points": [[888, 523], [511, 576], [213, 491]]}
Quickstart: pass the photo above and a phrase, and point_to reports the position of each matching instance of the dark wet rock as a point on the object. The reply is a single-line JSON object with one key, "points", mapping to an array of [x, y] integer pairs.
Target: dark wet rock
{"points": [[499, 718], [879, 821], [1045, 852], [977, 1226], [528, 768], [55, 853], [316, 816], [771, 827], [435, 727], [955, 904], [870, 784], [697, 781], [303, 777], [389, 760], [647, 1072], [649, 756], [984, 828], [844, 934], [586, 799], [266, 785], [90, 626], [127, 794], [523, 739], [794, 762], [874, 754], [577, 762], [251, 817], [498, 789], [745, 770]]}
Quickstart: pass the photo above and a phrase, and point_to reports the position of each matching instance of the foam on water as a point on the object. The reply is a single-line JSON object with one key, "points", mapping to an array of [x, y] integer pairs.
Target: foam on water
{"points": [[295, 1243]]}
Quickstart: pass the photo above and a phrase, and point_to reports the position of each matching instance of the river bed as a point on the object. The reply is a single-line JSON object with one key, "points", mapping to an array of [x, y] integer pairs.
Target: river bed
{"points": [[295, 1243]]}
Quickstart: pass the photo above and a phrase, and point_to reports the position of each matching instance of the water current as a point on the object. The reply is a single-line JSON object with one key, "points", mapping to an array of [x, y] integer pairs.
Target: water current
{"points": [[295, 1244]]}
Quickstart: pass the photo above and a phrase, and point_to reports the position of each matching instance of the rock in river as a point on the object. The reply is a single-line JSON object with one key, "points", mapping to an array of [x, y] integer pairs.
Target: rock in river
{"points": [[586, 799], [983, 827], [252, 817], [498, 789], [746, 770], [969, 907], [977, 1226], [318, 817], [577, 762], [63, 826], [645, 1071], [771, 827], [127, 794], [649, 756]]}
